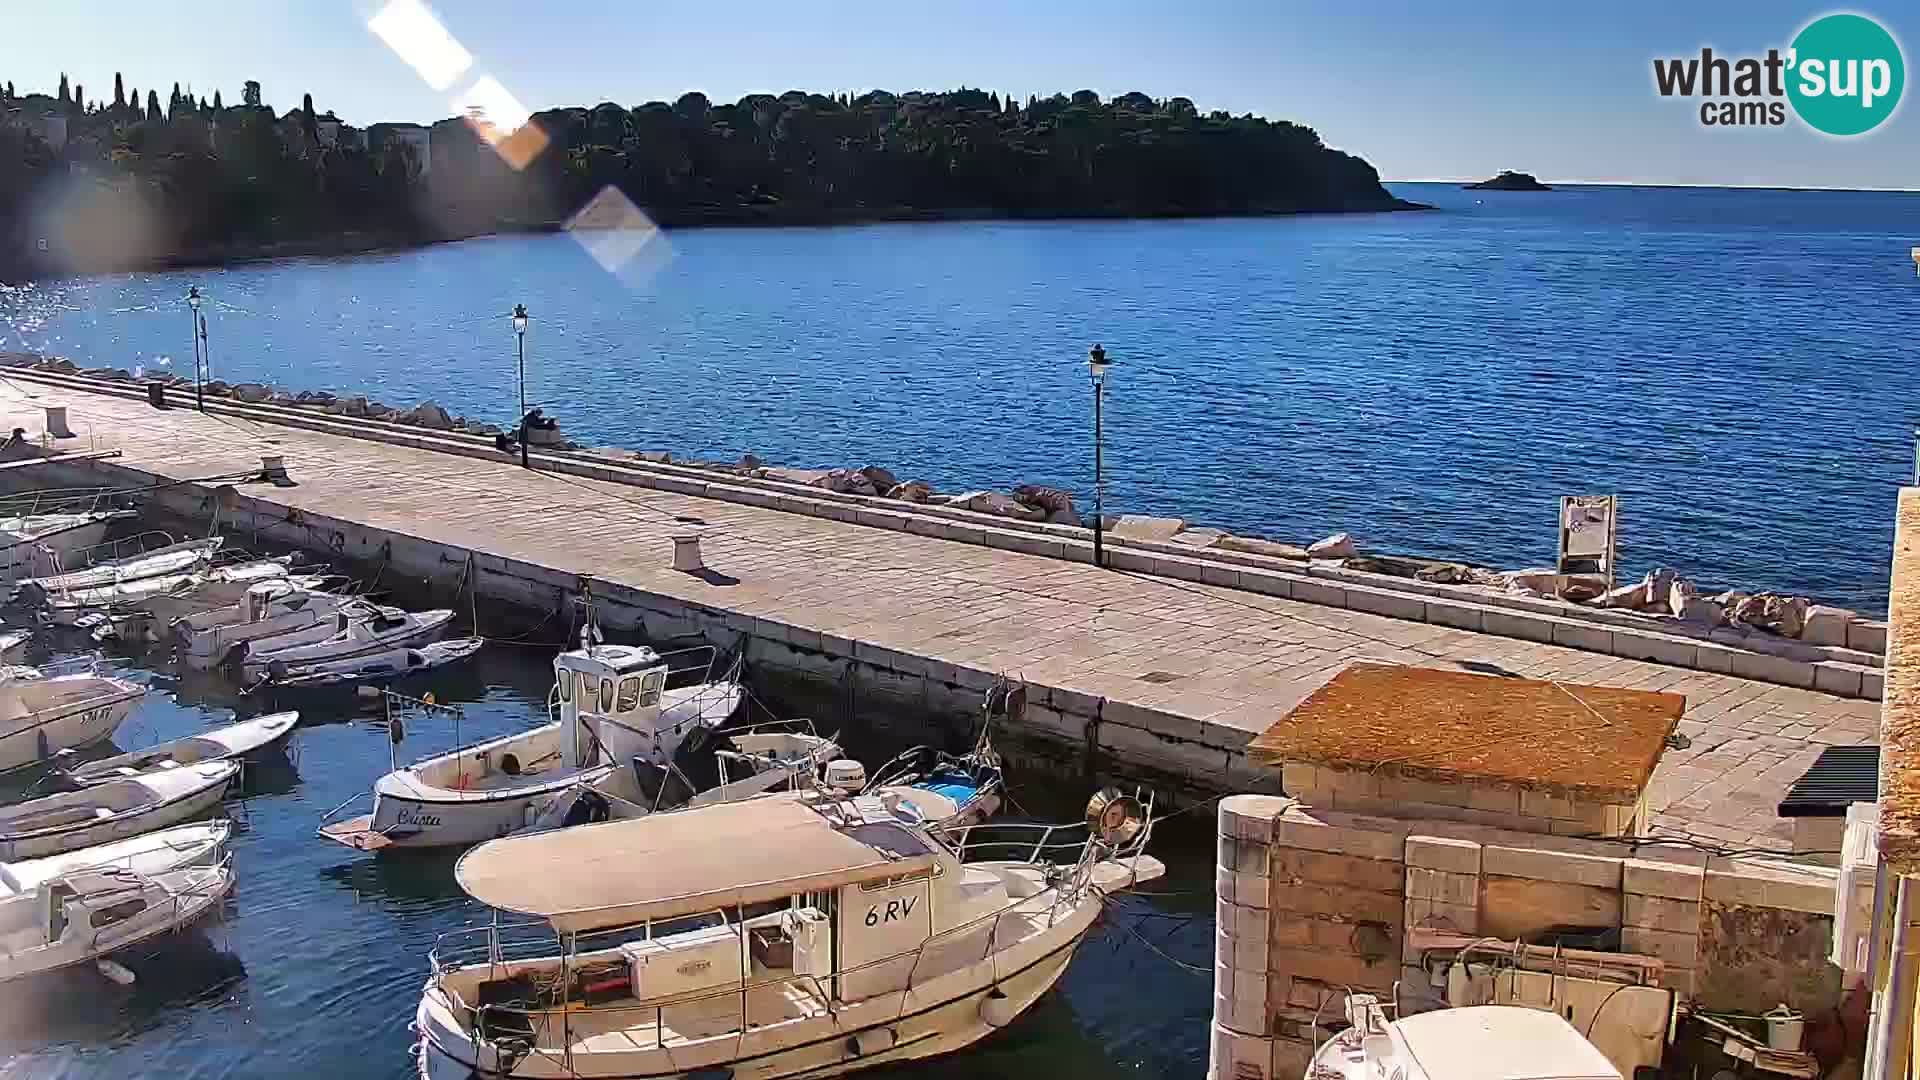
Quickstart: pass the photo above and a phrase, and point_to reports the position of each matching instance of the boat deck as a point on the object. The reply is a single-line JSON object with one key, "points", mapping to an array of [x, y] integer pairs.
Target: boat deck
{"points": [[1211, 655]]}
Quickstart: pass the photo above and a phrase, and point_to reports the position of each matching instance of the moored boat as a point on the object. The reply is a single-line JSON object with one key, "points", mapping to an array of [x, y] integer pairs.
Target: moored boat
{"points": [[358, 631], [1479, 1042], [378, 667], [246, 740], [42, 714], [207, 639], [113, 811], [38, 543], [200, 844], [804, 934], [613, 711], [163, 561], [86, 915]]}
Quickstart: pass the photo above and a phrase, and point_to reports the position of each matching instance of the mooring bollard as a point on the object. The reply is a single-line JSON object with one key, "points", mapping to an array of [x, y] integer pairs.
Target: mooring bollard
{"points": [[57, 422], [686, 553], [273, 467]]}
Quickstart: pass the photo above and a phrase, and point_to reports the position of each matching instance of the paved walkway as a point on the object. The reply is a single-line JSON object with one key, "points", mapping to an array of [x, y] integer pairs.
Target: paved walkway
{"points": [[1233, 658]]}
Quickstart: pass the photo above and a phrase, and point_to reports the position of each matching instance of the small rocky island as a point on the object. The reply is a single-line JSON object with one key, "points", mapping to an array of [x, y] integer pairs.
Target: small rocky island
{"points": [[1508, 180]]}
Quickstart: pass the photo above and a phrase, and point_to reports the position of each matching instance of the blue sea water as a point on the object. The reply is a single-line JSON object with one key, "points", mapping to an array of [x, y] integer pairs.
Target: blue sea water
{"points": [[1736, 364]]}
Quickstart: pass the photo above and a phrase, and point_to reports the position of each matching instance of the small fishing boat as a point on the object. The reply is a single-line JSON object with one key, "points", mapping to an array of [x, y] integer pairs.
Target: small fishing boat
{"points": [[248, 740], [379, 667], [86, 915], [38, 543], [800, 934], [1479, 1042], [203, 843], [72, 708], [358, 631], [186, 590], [160, 562], [613, 710], [959, 789], [207, 639], [113, 811]]}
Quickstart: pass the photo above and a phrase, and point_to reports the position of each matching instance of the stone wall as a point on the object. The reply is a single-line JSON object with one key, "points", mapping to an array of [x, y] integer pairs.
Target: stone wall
{"points": [[1311, 903], [1507, 806]]}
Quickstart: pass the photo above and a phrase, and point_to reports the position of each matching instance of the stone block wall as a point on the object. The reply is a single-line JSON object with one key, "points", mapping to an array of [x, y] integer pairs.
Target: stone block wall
{"points": [[1505, 806], [1311, 903]]}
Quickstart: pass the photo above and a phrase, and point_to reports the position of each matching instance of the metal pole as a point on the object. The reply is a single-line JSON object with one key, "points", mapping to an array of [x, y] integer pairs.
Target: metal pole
{"points": [[1099, 509], [522, 335], [193, 317]]}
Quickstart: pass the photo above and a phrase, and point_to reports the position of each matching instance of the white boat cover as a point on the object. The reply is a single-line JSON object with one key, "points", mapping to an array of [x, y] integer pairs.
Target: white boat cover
{"points": [[663, 865], [1501, 1042]]}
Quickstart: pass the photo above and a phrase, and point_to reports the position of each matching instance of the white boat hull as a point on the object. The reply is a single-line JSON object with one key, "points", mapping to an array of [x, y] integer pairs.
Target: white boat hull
{"points": [[38, 738], [420, 628], [203, 650], [936, 1017], [185, 898], [116, 827]]}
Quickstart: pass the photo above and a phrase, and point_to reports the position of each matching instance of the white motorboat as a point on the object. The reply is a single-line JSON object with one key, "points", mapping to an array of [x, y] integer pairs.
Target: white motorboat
{"points": [[207, 639], [802, 934], [1480, 1042], [200, 844], [379, 667], [613, 707], [86, 915], [37, 543], [160, 562], [248, 740], [358, 631], [113, 811], [41, 715], [165, 596]]}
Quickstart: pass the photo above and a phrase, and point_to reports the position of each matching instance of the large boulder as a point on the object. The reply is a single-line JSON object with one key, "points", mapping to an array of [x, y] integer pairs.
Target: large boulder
{"points": [[428, 414], [881, 479], [846, 482], [1056, 506], [913, 491], [1253, 545], [1782, 615], [1338, 546], [252, 393], [217, 388], [807, 477], [1827, 625]]}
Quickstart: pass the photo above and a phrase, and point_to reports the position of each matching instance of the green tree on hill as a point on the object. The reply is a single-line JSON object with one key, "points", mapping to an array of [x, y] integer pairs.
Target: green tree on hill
{"points": [[119, 94], [250, 94], [153, 107]]}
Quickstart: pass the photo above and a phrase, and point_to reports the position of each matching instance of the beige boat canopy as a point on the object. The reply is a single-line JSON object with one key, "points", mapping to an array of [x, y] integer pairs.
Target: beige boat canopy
{"points": [[686, 862]]}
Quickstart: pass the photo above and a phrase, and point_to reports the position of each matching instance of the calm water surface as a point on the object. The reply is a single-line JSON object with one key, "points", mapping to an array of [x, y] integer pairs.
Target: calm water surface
{"points": [[1736, 364], [318, 964]]}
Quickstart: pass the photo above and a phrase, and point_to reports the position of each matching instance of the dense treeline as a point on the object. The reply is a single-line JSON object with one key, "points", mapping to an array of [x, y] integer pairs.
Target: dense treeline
{"points": [[200, 179]]}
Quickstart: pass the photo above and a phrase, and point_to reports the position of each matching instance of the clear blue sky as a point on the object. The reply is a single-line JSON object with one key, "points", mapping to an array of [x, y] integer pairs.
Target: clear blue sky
{"points": [[1424, 90]]}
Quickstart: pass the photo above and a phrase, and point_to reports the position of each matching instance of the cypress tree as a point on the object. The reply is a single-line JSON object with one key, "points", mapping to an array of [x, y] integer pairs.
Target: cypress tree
{"points": [[62, 98], [153, 105], [216, 101], [119, 94]]}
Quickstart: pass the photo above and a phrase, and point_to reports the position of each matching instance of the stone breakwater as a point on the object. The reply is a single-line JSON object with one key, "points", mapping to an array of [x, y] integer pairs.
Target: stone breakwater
{"points": [[1665, 600]]}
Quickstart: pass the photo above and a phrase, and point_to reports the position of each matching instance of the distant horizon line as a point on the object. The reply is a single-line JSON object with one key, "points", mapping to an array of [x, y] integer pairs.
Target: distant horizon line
{"points": [[1672, 184]]}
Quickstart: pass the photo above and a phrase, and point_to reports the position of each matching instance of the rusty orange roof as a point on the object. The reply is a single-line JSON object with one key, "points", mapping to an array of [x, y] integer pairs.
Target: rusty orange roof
{"points": [[1454, 726]]}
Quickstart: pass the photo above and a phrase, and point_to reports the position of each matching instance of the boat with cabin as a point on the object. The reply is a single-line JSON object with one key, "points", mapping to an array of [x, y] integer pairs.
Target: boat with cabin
{"points": [[86, 915], [810, 934], [360, 629], [613, 713], [269, 609], [373, 668], [63, 707]]}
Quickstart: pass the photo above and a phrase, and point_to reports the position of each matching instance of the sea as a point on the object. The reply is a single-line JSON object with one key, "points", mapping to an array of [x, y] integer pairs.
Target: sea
{"points": [[1730, 363]]}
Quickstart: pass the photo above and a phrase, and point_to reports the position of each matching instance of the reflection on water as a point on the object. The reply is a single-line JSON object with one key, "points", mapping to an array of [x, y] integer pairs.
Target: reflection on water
{"points": [[317, 962]]}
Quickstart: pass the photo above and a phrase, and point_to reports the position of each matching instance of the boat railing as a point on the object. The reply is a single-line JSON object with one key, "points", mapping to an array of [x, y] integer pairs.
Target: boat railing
{"points": [[200, 882], [87, 664], [126, 547], [683, 664], [490, 1021], [80, 500]]}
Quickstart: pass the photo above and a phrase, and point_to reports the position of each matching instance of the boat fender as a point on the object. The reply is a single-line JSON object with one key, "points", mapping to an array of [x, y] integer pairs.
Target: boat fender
{"points": [[871, 1041], [997, 1009], [119, 973]]}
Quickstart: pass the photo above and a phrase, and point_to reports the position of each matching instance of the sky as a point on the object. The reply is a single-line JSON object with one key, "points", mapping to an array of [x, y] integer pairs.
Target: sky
{"points": [[1423, 90]]}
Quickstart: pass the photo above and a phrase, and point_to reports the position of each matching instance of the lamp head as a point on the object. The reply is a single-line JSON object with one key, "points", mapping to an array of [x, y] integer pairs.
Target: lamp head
{"points": [[193, 297], [520, 318], [1097, 363]]}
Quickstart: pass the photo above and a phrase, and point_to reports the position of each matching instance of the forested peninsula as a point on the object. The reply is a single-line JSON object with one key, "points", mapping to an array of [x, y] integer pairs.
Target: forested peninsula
{"points": [[90, 183]]}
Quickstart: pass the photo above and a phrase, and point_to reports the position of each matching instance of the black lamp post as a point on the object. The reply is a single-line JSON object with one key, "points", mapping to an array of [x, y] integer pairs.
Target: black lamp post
{"points": [[1097, 366], [520, 333], [193, 305]]}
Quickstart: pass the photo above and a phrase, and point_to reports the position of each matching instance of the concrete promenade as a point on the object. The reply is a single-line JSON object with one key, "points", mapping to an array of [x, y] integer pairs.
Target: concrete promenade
{"points": [[1169, 675]]}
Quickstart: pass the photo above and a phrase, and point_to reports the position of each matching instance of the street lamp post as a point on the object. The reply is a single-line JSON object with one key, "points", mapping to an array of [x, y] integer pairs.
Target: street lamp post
{"points": [[193, 306], [1097, 366], [520, 333]]}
